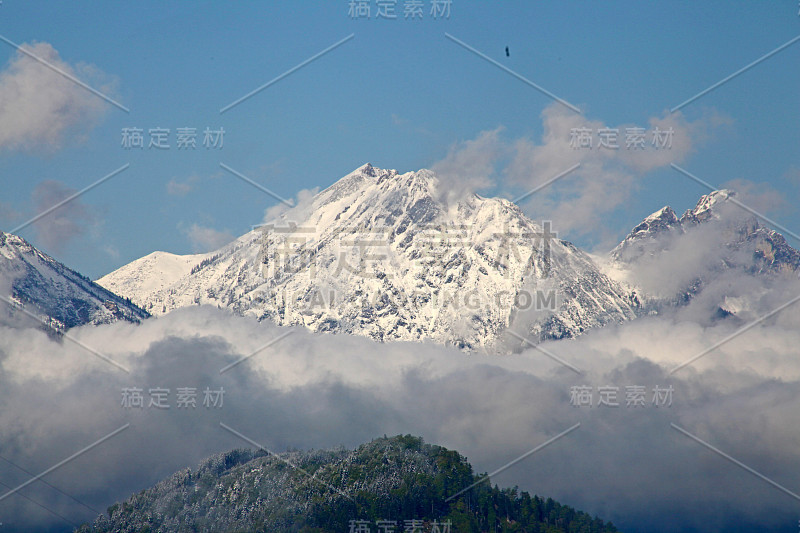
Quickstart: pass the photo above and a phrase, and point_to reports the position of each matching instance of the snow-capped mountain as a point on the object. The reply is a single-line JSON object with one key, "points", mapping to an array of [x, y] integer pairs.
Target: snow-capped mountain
{"points": [[651, 236], [671, 261], [150, 274], [755, 247], [56, 294], [381, 254]]}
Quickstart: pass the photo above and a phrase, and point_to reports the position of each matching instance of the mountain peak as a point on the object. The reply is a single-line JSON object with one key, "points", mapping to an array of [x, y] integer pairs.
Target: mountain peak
{"points": [[665, 213], [368, 170], [708, 206], [642, 238], [725, 236], [378, 253], [59, 296], [663, 219], [9, 239]]}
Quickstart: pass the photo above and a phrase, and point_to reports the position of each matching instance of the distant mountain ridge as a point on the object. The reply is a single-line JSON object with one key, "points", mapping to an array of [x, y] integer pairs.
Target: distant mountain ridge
{"points": [[56, 294], [768, 250], [717, 252]]}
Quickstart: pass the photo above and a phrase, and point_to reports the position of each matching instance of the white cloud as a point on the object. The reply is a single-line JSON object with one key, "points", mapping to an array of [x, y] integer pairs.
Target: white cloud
{"points": [[311, 390], [705, 252], [606, 178], [40, 108], [577, 202], [762, 197], [205, 239], [181, 188], [684, 139], [70, 221], [468, 166], [300, 210], [112, 251], [397, 120]]}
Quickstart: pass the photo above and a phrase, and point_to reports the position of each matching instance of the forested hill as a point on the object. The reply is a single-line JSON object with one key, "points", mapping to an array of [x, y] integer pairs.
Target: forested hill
{"points": [[398, 481]]}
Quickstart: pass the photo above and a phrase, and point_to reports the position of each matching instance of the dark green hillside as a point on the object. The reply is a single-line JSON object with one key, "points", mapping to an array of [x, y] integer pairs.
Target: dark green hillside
{"points": [[397, 480]]}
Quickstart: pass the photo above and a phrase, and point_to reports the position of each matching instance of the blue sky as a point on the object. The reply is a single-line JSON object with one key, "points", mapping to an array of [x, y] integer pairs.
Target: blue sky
{"points": [[399, 94]]}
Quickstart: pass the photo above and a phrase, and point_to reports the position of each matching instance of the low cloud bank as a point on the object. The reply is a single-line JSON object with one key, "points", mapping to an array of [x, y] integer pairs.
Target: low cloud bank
{"points": [[625, 463]]}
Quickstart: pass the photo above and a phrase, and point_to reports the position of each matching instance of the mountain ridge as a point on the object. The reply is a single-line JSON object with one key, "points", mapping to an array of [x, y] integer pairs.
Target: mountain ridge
{"points": [[656, 231], [61, 297], [717, 257], [461, 273]]}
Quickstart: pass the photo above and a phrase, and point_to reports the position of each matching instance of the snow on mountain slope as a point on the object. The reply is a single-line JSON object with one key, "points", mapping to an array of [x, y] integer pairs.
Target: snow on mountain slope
{"points": [[650, 237], [56, 294], [378, 254], [709, 206], [750, 244], [717, 244], [149, 274]]}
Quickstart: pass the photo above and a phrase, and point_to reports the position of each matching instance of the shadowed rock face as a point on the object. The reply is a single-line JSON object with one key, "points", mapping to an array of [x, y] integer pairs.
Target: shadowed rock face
{"points": [[59, 296]]}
